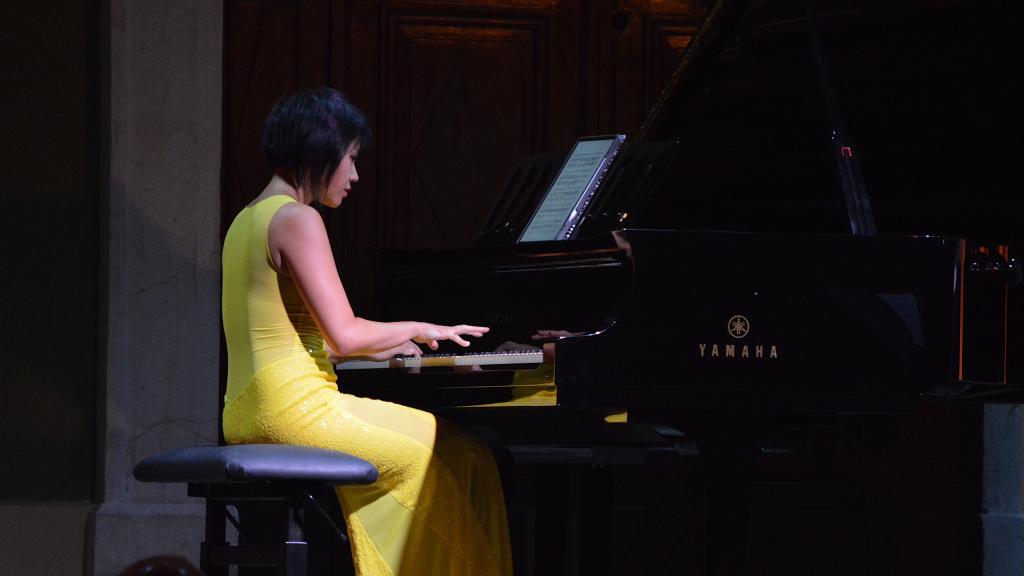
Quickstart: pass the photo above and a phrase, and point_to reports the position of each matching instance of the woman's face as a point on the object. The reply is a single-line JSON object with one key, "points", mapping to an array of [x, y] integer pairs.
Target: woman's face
{"points": [[343, 178]]}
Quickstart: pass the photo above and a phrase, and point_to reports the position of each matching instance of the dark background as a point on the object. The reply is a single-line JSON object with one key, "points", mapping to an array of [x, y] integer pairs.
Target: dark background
{"points": [[50, 230]]}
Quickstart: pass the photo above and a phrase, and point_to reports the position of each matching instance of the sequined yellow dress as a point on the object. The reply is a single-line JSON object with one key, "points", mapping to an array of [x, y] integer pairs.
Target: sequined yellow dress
{"points": [[437, 507]]}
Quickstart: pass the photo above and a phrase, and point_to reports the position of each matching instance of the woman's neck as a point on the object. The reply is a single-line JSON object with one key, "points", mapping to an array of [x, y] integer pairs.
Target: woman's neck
{"points": [[278, 185]]}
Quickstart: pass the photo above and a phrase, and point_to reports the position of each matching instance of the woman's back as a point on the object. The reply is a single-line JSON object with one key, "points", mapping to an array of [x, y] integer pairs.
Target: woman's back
{"points": [[264, 316]]}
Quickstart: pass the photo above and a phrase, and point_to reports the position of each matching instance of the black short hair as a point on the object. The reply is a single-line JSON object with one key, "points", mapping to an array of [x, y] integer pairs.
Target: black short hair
{"points": [[309, 132]]}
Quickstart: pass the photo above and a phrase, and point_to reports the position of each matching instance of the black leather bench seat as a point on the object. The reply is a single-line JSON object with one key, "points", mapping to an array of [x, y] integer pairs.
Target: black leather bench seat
{"points": [[255, 462]]}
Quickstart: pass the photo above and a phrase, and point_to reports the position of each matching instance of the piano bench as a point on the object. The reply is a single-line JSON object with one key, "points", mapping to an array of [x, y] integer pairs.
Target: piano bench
{"points": [[273, 490]]}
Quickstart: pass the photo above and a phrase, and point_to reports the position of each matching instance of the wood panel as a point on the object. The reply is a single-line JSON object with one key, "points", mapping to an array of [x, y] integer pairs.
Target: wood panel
{"points": [[456, 92], [270, 49], [462, 103], [354, 66], [646, 42]]}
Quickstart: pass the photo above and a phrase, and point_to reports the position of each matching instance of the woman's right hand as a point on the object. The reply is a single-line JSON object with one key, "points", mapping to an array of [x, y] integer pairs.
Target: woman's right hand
{"points": [[408, 348], [430, 334]]}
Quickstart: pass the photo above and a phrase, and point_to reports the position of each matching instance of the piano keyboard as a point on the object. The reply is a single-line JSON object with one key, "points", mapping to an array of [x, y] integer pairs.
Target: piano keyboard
{"points": [[444, 360]]}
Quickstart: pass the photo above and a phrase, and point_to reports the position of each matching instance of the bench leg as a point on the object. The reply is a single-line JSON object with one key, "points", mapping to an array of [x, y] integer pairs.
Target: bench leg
{"points": [[296, 561], [215, 536]]}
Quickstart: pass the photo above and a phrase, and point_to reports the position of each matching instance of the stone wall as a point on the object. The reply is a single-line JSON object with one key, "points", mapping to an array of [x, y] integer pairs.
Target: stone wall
{"points": [[160, 219]]}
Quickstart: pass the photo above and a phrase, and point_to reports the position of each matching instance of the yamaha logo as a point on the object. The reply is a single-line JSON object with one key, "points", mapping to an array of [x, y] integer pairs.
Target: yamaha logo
{"points": [[738, 326]]}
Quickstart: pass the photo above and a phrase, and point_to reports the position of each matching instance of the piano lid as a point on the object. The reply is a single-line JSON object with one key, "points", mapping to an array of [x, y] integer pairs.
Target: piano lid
{"points": [[918, 84]]}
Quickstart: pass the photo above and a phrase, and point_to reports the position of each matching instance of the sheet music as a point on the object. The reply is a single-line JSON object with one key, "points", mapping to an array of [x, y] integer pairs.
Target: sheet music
{"points": [[584, 163]]}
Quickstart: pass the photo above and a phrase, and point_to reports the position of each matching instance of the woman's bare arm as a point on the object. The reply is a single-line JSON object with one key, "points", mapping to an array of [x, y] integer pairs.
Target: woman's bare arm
{"points": [[300, 248], [408, 348]]}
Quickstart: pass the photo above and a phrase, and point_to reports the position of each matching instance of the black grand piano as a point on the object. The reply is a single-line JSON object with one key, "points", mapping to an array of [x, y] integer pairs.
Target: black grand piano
{"points": [[747, 266]]}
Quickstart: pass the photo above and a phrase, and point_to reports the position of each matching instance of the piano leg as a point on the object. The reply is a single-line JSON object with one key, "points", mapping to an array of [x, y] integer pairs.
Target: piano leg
{"points": [[730, 445], [727, 487], [606, 511], [559, 516]]}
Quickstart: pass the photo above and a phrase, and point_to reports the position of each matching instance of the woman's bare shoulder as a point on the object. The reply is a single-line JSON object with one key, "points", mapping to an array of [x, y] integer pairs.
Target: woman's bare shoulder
{"points": [[296, 214], [296, 230], [297, 221]]}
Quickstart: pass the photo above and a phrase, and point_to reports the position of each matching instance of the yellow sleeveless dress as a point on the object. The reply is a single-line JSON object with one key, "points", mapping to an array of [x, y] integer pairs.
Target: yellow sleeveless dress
{"points": [[437, 508]]}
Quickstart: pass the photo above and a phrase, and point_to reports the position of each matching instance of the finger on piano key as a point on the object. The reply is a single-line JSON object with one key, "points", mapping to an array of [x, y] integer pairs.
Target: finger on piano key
{"points": [[448, 360]]}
